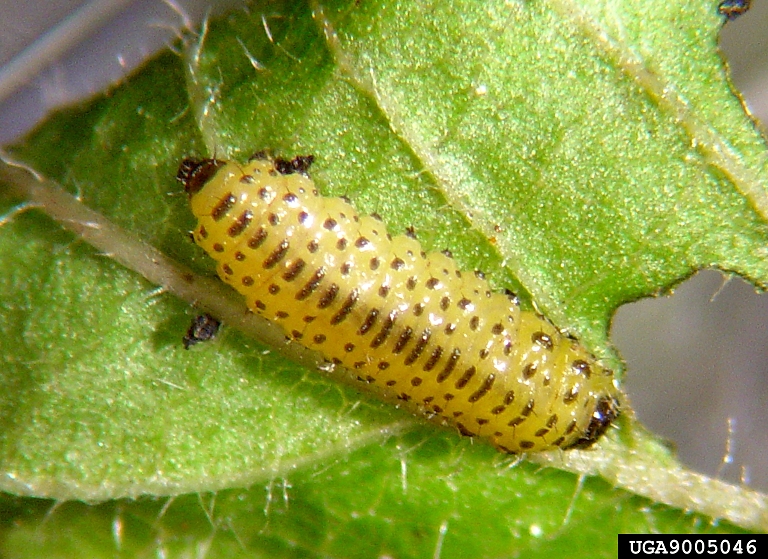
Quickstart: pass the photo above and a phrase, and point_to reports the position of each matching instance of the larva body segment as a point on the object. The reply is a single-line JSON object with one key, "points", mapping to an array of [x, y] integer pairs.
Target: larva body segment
{"points": [[406, 322]]}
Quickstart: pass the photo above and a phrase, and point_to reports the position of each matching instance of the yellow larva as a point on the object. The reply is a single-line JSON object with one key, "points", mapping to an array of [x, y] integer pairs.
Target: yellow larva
{"points": [[409, 323]]}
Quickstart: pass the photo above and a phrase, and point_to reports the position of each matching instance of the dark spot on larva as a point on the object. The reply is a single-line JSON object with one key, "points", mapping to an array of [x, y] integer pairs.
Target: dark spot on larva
{"points": [[397, 264], [273, 289], [369, 379], [541, 432], [509, 397], [247, 281], [385, 331], [552, 421], [311, 285], [218, 247], [445, 302], [529, 371], [437, 409], [482, 421], [221, 209], [484, 353], [474, 323], [447, 253], [543, 339], [453, 358], [423, 254], [240, 224], [571, 427], [376, 216], [403, 340], [239, 256], [294, 270], [319, 338], [507, 347], [416, 381], [273, 219], [336, 361], [349, 347], [428, 400], [571, 396], [258, 238], [330, 224], [345, 268], [277, 255], [359, 365], [296, 335], [464, 303], [528, 409], [558, 441], [433, 359], [432, 283], [265, 194], [282, 315], [346, 308], [410, 283], [383, 365], [341, 244], [404, 397], [527, 445], [309, 319], [497, 329], [464, 431], [479, 274], [547, 380], [418, 309], [203, 232], [466, 377], [226, 269], [369, 322], [290, 198], [312, 246], [516, 421], [362, 242], [374, 263], [498, 410], [484, 389], [410, 232], [450, 328], [448, 396], [581, 367], [419, 348], [328, 297], [303, 216], [391, 382], [259, 305], [383, 291]]}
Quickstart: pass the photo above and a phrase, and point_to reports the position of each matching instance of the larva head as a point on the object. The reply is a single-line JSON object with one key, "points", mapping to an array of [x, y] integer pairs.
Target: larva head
{"points": [[193, 174], [606, 412]]}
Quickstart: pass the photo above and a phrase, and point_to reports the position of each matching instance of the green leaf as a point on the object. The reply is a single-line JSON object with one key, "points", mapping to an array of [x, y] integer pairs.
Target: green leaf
{"points": [[583, 154]]}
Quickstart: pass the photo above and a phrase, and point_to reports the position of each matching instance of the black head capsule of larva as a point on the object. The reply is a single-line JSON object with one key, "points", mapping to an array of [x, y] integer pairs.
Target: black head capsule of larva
{"points": [[193, 174], [338, 283]]}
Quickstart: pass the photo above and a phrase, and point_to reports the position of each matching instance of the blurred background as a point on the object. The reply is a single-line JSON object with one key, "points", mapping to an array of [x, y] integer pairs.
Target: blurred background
{"points": [[697, 360]]}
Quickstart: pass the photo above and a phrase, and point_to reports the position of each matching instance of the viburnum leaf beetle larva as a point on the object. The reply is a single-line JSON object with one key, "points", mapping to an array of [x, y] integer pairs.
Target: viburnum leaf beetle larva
{"points": [[408, 323]]}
